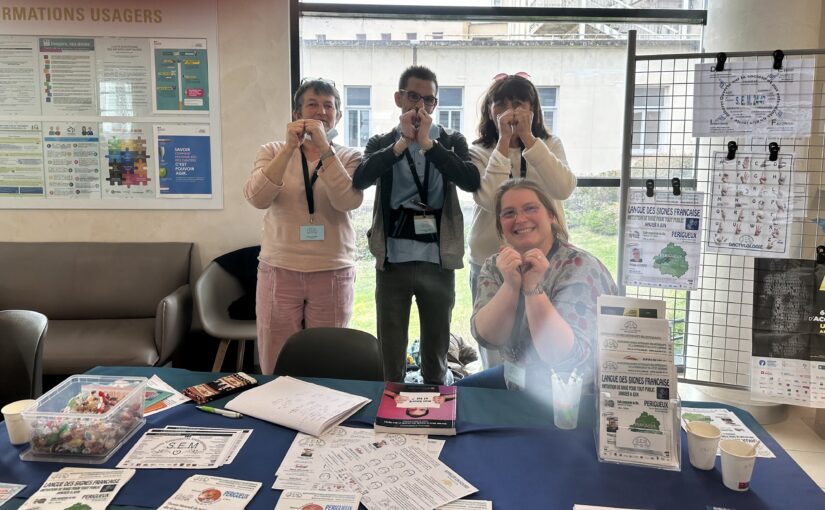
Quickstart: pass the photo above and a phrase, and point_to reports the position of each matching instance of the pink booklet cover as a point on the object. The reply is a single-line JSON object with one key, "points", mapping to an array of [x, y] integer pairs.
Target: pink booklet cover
{"points": [[417, 409]]}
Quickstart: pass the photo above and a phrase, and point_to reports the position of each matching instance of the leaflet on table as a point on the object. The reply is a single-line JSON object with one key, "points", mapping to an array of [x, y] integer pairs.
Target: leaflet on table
{"points": [[404, 476], [174, 398], [311, 500], [8, 490], [175, 449], [634, 336], [241, 436], [468, 504], [213, 492], [729, 424], [90, 489], [299, 405], [751, 97], [303, 466], [662, 239]]}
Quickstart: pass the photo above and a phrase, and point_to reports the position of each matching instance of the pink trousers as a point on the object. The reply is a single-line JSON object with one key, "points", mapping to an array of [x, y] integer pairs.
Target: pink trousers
{"points": [[287, 301]]}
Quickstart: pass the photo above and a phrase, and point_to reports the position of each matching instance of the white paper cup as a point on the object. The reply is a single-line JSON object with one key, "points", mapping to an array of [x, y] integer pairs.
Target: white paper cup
{"points": [[703, 440], [19, 432], [566, 395], [738, 458]]}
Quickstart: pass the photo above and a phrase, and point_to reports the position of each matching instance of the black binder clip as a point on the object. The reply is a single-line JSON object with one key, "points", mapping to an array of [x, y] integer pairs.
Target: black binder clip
{"points": [[773, 148], [649, 185], [677, 186], [820, 254], [732, 150], [721, 57], [778, 55]]}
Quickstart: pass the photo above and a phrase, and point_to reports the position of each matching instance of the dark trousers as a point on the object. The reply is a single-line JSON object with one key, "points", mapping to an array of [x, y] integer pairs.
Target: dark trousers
{"points": [[434, 291]]}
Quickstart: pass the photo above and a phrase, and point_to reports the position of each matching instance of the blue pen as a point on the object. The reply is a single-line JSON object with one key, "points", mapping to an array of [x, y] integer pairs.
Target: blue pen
{"points": [[222, 412]]}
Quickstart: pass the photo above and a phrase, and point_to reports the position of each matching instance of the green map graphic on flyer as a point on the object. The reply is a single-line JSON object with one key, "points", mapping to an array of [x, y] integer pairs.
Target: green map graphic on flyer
{"points": [[672, 260]]}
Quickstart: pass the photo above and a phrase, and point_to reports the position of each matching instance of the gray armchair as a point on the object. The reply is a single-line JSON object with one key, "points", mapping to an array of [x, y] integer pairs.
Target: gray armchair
{"points": [[215, 290], [21, 354]]}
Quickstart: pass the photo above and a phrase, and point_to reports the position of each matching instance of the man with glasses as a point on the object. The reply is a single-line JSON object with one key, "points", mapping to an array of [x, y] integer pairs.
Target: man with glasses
{"points": [[417, 234]]}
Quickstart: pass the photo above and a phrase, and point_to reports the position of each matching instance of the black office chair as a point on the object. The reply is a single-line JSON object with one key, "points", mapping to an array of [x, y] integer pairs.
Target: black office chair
{"points": [[337, 353], [21, 353]]}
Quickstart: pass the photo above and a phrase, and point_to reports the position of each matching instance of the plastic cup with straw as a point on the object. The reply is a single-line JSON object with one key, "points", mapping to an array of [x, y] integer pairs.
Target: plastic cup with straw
{"points": [[566, 396]]}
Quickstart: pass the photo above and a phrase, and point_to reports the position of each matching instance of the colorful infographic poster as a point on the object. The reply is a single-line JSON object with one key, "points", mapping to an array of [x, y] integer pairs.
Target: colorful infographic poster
{"points": [[68, 76], [21, 159], [181, 77], [72, 152], [18, 76], [184, 161], [125, 157]]}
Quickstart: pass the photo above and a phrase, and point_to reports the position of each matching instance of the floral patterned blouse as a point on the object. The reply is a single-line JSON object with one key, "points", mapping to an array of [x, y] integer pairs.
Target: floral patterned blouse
{"points": [[573, 282]]}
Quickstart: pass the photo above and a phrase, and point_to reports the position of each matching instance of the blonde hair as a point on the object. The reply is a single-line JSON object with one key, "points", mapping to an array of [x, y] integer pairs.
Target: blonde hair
{"points": [[559, 230]]}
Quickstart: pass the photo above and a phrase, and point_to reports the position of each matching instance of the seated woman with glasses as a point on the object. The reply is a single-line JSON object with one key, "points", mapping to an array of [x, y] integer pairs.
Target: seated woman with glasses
{"points": [[306, 273], [513, 142], [536, 301]]}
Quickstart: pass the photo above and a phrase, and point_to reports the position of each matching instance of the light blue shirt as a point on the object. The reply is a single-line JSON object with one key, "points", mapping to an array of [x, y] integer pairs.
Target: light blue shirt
{"points": [[404, 191]]}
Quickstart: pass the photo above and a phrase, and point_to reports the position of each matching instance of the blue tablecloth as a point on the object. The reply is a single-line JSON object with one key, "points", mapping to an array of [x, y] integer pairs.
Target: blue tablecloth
{"points": [[506, 446]]}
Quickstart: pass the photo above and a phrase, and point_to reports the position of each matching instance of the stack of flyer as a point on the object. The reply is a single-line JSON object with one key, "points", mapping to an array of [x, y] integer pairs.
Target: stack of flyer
{"points": [[636, 385], [87, 488], [181, 447]]}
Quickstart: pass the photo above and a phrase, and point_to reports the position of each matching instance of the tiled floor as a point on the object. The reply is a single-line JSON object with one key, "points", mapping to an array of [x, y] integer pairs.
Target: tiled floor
{"points": [[795, 434]]}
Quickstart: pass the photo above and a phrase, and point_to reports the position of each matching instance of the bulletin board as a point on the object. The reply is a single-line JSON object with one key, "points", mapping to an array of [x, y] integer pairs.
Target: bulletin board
{"points": [[109, 106]]}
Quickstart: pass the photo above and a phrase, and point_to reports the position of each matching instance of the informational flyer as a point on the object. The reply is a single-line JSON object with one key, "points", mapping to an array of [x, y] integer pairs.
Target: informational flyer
{"points": [[126, 152], [89, 489], [180, 449], [21, 159], [751, 205], [636, 385], [788, 352], [662, 239], [181, 78], [123, 69], [72, 151], [200, 492], [19, 88], [751, 97], [728, 424], [8, 490], [314, 500], [68, 75], [406, 476], [184, 161]]}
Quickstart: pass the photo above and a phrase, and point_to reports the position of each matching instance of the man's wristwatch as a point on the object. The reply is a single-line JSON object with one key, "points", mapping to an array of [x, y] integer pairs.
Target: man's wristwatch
{"points": [[327, 154], [534, 292]]}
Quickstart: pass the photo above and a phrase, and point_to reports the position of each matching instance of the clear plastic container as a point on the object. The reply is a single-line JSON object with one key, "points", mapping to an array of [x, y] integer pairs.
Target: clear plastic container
{"points": [[85, 419]]}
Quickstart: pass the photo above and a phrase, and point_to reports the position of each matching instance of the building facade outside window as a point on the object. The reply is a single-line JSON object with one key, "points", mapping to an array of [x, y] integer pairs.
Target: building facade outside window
{"points": [[451, 107], [357, 115], [548, 97], [648, 116]]}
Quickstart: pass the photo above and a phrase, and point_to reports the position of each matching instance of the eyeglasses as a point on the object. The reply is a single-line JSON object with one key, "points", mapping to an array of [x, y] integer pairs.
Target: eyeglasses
{"points": [[415, 97], [520, 74], [304, 81], [511, 212]]}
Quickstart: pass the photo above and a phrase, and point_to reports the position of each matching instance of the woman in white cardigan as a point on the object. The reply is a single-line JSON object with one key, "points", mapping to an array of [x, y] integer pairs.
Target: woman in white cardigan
{"points": [[512, 142]]}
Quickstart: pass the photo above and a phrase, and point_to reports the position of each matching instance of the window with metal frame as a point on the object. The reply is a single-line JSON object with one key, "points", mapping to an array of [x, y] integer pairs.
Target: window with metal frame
{"points": [[357, 115], [451, 107]]}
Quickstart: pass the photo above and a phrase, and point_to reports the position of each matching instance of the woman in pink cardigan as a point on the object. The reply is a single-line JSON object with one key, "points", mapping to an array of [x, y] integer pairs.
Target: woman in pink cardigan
{"points": [[306, 272]]}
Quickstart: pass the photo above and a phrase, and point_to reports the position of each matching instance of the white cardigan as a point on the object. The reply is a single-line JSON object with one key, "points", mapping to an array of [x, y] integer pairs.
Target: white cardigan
{"points": [[546, 165]]}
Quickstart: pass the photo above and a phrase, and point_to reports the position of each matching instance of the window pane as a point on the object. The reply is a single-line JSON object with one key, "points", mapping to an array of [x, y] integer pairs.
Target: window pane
{"points": [[651, 129], [444, 117], [352, 127], [547, 96], [449, 96], [455, 120], [364, 128], [549, 120], [358, 96]]}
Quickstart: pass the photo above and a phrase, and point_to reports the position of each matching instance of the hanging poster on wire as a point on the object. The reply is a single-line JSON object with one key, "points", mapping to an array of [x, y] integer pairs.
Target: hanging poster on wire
{"points": [[754, 98], [662, 239], [184, 168], [751, 203], [788, 352]]}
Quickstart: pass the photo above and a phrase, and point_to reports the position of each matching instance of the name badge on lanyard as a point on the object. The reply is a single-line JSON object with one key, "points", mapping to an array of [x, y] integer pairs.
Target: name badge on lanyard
{"points": [[425, 224], [310, 232]]}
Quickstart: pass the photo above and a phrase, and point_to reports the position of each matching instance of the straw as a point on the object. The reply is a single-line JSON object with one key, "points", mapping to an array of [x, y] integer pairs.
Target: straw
{"points": [[756, 446]]}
